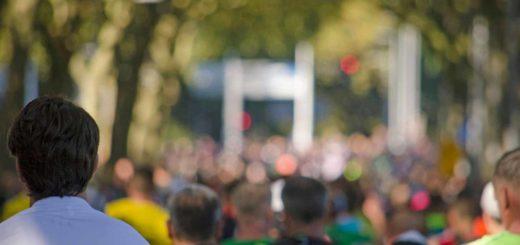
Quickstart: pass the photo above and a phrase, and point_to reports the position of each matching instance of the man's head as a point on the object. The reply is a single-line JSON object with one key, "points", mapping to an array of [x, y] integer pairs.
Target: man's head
{"points": [[55, 144], [304, 200], [506, 181], [141, 184], [406, 227], [252, 203], [460, 216], [194, 215]]}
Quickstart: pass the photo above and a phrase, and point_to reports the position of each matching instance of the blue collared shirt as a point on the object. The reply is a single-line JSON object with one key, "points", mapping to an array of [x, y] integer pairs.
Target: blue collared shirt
{"points": [[66, 220]]}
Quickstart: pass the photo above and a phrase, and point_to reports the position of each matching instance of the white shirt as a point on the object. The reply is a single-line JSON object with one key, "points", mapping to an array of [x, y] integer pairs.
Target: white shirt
{"points": [[67, 220]]}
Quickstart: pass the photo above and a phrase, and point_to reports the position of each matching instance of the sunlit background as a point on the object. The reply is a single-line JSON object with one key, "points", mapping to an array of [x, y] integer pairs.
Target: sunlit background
{"points": [[372, 91]]}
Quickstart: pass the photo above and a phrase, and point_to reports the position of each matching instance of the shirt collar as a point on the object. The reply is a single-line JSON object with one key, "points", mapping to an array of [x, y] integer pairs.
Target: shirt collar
{"points": [[55, 202]]}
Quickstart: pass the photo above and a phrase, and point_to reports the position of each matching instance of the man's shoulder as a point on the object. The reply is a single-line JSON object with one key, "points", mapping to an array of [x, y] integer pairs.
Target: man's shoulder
{"points": [[14, 205], [504, 238], [118, 202], [116, 229], [17, 229], [114, 225], [126, 205], [122, 205], [92, 222], [19, 218]]}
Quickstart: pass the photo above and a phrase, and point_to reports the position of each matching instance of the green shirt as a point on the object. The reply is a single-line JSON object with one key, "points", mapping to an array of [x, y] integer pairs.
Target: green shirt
{"points": [[347, 238], [503, 238], [263, 241]]}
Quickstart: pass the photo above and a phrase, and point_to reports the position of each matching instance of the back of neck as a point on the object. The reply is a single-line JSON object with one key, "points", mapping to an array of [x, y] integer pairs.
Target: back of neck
{"points": [[514, 227], [314, 229], [252, 231]]}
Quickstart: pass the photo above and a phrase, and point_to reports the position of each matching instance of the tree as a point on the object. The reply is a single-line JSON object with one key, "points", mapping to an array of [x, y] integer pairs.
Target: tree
{"points": [[447, 29], [262, 28], [130, 54], [17, 25], [512, 114], [62, 28]]}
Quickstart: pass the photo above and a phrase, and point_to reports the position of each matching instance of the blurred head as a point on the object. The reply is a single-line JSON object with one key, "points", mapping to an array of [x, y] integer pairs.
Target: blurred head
{"points": [[406, 227], [400, 195], [124, 170], [141, 183], [490, 210], [460, 218], [252, 203], [194, 215], [506, 181], [304, 200], [55, 144]]}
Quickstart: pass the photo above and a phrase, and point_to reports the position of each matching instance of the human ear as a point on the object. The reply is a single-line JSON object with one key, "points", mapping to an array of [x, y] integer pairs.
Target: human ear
{"points": [[506, 198]]}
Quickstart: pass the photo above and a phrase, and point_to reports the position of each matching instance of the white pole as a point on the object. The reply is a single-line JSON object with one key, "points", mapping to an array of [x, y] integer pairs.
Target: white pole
{"points": [[412, 72], [477, 107], [233, 106], [404, 89], [303, 125], [395, 137]]}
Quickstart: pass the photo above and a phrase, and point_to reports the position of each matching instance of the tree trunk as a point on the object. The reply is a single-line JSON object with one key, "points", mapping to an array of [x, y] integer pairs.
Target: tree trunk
{"points": [[13, 97], [130, 55], [60, 81]]}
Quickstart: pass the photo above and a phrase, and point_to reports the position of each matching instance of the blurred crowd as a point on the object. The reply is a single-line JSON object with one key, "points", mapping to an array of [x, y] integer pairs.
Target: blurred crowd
{"points": [[426, 194]]}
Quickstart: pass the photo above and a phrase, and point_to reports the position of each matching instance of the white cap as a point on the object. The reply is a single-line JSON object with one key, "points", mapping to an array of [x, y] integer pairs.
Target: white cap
{"points": [[488, 202]]}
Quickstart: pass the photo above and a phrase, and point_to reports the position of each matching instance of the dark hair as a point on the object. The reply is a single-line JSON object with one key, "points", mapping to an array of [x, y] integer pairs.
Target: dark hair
{"points": [[508, 167], [55, 143], [195, 212], [403, 220], [142, 180], [304, 199], [250, 199]]}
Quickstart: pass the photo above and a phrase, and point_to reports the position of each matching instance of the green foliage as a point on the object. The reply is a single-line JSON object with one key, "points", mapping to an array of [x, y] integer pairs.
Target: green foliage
{"points": [[170, 36], [261, 28], [446, 29]]}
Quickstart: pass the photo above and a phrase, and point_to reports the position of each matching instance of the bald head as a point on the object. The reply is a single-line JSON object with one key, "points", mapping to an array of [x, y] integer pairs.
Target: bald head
{"points": [[195, 214], [506, 181], [508, 168], [252, 200]]}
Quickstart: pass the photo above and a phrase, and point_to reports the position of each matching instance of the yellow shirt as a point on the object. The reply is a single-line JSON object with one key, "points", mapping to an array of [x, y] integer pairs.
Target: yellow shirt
{"points": [[147, 218], [15, 205]]}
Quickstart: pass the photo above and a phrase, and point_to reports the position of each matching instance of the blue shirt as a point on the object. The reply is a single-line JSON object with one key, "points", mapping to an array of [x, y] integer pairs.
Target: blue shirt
{"points": [[67, 220]]}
